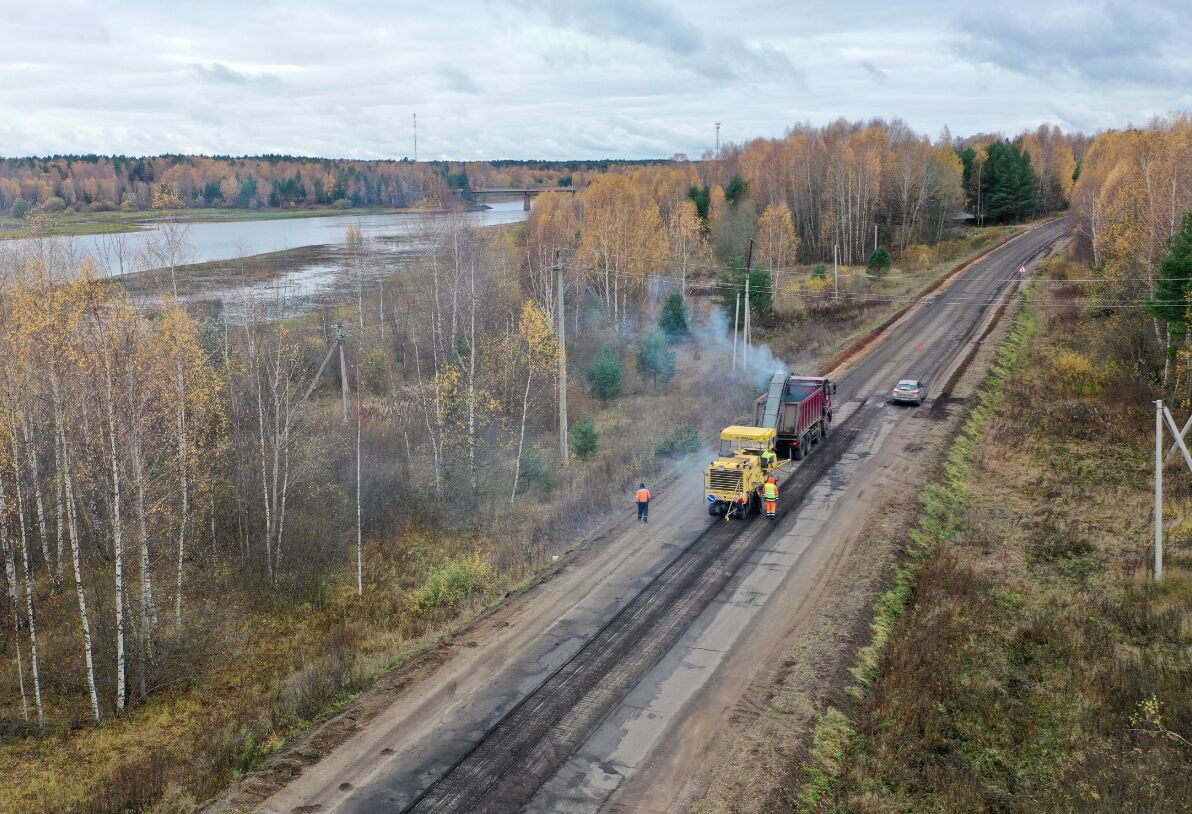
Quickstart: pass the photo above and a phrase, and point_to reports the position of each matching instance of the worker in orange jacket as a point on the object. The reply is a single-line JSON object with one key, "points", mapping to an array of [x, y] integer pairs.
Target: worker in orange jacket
{"points": [[770, 495], [643, 503]]}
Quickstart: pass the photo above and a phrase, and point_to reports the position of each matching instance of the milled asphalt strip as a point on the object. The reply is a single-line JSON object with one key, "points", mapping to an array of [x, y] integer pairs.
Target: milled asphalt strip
{"points": [[509, 764]]}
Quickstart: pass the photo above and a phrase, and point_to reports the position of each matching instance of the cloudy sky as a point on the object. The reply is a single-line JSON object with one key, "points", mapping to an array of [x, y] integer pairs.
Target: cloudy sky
{"points": [[567, 78]]}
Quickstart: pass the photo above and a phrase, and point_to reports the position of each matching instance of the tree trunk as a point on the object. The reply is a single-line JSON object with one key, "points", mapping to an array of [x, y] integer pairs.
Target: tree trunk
{"points": [[35, 657], [10, 571], [73, 531], [117, 547], [184, 473], [521, 438]]}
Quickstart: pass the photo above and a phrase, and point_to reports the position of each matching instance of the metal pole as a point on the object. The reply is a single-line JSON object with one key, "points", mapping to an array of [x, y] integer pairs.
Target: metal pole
{"points": [[736, 317], [745, 338], [835, 275], [562, 365], [1159, 490]]}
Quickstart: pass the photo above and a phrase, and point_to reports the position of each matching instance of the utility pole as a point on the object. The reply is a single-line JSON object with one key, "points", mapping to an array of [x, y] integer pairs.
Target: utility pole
{"points": [[1158, 490], [835, 275], [748, 310], [736, 317], [415, 137], [381, 300], [562, 363], [717, 139], [745, 335], [875, 237], [340, 336]]}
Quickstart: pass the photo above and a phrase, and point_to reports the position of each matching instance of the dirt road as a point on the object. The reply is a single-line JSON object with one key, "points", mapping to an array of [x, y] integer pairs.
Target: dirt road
{"points": [[562, 699]]}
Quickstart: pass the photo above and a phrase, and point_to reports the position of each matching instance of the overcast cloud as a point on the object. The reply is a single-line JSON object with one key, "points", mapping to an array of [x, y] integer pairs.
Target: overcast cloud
{"points": [[566, 78]]}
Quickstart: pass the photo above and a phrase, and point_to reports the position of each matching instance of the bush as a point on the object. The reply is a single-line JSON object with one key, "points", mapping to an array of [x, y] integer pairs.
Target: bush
{"points": [[918, 256], [820, 272], [20, 208], [54, 204], [681, 440], [342, 203], [449, 585], [584, 437], [605, 375], [375, 371], [655, 358], [674, 321], [879, 262]]}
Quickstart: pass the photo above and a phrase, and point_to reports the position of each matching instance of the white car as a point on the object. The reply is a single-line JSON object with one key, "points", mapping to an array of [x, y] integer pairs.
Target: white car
{"points": [[910, 390]]}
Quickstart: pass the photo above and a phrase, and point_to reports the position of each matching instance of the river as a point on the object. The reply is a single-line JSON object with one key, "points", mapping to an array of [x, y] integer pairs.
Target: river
{"points": [[303, 279]]}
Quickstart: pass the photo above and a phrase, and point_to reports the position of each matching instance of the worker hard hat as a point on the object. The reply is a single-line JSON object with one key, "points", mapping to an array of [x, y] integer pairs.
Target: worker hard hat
{"points": [[771, 479]]}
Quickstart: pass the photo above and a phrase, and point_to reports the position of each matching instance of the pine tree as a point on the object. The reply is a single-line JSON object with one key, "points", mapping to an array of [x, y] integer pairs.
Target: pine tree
{"points": [[673, 321], [1174, 284], [605, 375], [584, 437], [655, 358]]}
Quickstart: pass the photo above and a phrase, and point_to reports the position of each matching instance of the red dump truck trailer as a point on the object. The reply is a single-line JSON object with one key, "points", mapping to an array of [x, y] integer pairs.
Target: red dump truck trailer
{"points": [[799, 408]]}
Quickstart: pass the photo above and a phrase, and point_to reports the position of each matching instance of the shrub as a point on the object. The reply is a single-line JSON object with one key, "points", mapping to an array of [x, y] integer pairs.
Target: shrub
{"points": [[674, 321], [20, 208], [681, 440], [449, 585], [605, 375], [1077, 375], [918, 256], [53, 204], [655, 358], [820, 272], [879, 262], [584, 437], [342, 203]]}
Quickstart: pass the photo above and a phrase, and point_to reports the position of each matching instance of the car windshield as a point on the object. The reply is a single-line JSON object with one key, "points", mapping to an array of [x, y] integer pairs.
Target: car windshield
{"points": [[907, 386]]}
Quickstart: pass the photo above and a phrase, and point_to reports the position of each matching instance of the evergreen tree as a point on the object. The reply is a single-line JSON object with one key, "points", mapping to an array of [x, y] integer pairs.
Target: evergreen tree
{"points": [[655, 358], [1174, 286], [1009, 183], [702, 198], [584, 437], [605, 375], [674, 321], [736, 190], [879, 262]]}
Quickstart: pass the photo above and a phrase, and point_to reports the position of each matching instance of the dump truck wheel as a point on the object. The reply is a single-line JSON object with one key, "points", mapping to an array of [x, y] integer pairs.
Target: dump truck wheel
{"points": [[799, 453]]}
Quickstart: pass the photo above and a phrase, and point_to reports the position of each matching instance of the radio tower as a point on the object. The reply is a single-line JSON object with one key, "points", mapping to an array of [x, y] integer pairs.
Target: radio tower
{"points": [[415, 137], [718, 139]]}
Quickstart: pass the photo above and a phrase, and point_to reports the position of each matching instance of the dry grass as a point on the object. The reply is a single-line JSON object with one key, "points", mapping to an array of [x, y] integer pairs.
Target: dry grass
{"points": [[1041, 669]]}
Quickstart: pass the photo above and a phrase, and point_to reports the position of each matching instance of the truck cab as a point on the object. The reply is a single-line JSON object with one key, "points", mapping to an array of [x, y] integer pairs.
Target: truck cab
{"points": [[733, 481]]}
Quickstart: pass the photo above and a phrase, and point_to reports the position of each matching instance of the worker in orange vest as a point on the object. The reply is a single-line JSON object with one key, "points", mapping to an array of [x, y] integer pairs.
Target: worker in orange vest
{"points": [[643, 503], [770, 495]]}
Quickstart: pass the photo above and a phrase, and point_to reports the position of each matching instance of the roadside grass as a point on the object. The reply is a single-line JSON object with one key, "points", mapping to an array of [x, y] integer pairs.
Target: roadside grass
{"points": [[942, 505], [1023, 659]]}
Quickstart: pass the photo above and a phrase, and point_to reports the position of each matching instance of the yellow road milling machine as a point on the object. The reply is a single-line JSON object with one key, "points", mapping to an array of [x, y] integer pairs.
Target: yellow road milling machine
{"points": [[733, 483]]}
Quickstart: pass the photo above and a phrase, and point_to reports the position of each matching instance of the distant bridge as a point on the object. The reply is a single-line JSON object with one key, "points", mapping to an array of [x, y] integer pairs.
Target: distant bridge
{"points": [[526, 192]]}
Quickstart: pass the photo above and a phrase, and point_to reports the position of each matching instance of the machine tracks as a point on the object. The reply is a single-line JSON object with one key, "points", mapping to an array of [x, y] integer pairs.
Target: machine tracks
{"points": [[524, 749]]}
